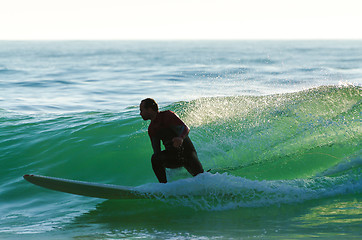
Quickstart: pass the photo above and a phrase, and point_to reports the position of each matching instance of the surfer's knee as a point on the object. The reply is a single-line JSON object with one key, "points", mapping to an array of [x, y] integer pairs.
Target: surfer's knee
{"points": [[158, 168], [156, 159]]}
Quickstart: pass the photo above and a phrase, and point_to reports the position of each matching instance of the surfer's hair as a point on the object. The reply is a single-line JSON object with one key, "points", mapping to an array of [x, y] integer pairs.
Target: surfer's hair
{"points": [[150, 103]]}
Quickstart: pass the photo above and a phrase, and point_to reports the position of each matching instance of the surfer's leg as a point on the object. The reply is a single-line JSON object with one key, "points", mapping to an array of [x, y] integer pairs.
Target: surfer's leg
{"points": [[192, 164], [158, 167], [190, 160], [161, 161]]}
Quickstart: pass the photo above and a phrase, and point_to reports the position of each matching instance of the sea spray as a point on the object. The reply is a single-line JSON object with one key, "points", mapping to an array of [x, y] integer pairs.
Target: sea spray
{"points": [[224, 192]]}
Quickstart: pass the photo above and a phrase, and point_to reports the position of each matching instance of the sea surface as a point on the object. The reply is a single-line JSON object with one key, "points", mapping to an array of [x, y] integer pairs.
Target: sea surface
{"points": [[277, 122]]}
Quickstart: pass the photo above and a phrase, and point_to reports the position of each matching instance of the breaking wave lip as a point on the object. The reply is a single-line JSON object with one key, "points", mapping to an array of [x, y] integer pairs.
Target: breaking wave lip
{"points": [[217, 192]]}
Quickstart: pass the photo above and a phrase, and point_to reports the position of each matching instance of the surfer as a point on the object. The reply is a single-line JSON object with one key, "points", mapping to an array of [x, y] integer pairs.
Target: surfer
{"points": [[167, 127]]}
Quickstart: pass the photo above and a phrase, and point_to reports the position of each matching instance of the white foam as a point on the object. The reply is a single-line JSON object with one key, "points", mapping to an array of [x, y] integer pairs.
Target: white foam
{"points": [[223, 191]]}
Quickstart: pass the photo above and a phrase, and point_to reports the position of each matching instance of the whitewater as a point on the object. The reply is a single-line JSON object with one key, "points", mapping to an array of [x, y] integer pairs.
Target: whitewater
{"points": [[278, 123]]}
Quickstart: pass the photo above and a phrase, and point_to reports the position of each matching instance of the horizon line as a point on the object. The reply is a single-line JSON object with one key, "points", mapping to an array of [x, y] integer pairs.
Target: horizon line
{"points": [[191, 39]]}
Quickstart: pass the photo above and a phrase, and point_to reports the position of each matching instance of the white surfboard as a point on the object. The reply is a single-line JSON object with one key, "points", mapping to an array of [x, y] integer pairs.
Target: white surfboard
{"points": [[89, 189]]}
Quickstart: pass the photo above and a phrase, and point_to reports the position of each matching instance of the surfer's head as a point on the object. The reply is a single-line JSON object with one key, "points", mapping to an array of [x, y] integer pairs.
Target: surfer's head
{"points": [[148, 109]]}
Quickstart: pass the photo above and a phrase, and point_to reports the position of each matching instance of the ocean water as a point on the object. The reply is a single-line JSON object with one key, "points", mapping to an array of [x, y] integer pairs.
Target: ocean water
{"points": [[277, 122]]}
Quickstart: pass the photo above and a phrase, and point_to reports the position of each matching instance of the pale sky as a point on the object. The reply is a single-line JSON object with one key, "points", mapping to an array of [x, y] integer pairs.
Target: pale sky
{"points": [[180, 19]]}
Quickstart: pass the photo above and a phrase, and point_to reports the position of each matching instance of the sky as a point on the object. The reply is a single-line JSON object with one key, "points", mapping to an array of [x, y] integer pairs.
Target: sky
{"points": [[179, 19]]}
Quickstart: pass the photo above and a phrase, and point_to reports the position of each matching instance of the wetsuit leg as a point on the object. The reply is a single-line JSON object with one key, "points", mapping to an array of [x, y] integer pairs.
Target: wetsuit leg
{"points": [[161, 161], [187, 157], [192, 164]]}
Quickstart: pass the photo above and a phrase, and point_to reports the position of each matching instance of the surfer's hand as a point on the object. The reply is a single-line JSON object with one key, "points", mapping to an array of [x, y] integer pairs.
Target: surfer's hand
{"points": [[177, 142]]}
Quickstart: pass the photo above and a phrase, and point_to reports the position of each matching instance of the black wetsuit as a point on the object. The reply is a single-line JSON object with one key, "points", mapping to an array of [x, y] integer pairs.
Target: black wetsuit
{"points": [[165, 127]]}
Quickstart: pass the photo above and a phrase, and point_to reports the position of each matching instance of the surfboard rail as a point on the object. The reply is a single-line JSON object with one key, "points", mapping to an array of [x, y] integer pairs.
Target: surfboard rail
{"points": [[89, 189]]}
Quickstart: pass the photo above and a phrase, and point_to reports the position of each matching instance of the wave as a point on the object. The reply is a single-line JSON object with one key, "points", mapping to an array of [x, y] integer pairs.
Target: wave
{"points": [[6, 71], [223, 191], [275, 149]]}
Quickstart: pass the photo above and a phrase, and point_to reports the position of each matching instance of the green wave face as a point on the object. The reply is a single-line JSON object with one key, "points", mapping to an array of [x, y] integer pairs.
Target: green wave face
{"points": [[285, 136], [304, 144]]}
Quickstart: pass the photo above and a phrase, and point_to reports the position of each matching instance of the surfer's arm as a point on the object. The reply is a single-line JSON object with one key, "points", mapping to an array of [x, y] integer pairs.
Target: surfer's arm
{"points": [[183, 131], [156, 144], [179, 127]]}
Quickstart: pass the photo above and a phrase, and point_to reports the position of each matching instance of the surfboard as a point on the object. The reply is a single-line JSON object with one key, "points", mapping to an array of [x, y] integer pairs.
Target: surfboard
{"points": [[88, 189]]}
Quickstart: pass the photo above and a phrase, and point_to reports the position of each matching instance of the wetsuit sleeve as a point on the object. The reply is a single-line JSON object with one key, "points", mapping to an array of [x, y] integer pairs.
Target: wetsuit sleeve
{"points": [[156, 144], [177, 125]]}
